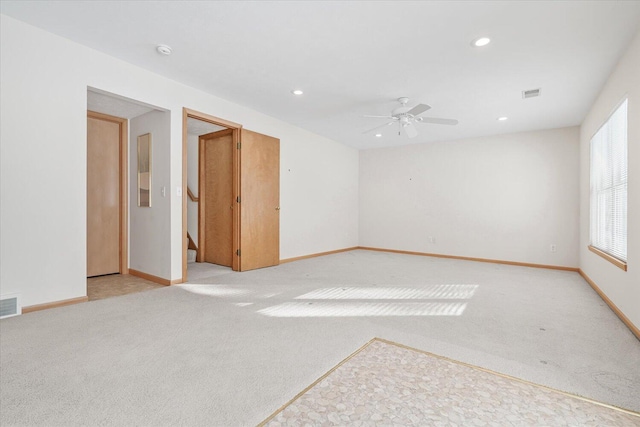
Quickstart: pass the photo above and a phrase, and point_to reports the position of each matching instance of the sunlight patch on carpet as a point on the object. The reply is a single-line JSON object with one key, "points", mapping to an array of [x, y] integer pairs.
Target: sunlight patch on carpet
{"points": [[384, 383], [353, 309], [451, 291], [213, 290]]}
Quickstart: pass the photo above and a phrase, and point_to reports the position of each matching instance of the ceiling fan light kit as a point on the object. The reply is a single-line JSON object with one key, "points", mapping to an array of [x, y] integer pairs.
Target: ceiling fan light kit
{"points": [[406, 117]]}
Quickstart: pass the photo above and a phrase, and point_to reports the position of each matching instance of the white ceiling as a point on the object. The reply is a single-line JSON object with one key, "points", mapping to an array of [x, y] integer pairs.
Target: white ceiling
{"points": [[355, 58], [115, 106]]}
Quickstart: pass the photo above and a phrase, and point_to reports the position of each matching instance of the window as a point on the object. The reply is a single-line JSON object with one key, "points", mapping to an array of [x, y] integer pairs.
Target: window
{"points": [[608, 189]]}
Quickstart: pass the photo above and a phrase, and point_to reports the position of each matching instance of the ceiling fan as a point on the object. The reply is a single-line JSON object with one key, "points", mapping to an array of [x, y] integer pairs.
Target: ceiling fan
{"points": [[406, 118]]}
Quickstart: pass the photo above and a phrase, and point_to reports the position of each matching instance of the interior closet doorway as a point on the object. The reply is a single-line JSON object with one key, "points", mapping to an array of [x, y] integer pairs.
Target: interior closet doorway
{"points": [[107, 142]]}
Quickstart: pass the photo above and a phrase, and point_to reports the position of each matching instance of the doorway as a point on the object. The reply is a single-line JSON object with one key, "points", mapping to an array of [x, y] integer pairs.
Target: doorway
{"points": [[110, 119], [209, 188], [242, 168], [210, 225], [107, 165]]}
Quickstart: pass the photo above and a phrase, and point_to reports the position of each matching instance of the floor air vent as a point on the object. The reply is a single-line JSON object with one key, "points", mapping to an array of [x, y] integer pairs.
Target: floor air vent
{"points": [[10, 306]]}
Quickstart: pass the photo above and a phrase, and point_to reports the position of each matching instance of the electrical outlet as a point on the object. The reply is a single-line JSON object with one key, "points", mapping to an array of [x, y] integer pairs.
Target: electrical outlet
{"points": [[552, 248], [432, 239]]}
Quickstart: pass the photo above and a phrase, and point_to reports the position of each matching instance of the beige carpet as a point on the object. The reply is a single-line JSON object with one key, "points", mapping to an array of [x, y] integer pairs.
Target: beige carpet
{"points": [[219, 351], [388, 384]]}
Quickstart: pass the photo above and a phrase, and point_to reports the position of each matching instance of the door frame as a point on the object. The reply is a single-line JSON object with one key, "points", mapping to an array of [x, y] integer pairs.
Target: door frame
{"points": [[123, 184], [235, 128]]}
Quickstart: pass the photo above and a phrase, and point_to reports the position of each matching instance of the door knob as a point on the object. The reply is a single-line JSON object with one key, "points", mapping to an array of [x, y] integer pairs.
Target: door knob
{"points": [[277, 208]]}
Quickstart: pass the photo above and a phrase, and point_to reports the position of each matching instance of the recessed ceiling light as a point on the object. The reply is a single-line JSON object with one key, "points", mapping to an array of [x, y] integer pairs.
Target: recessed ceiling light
{"points": [[163, 49], [297, 92], [502, 119], [482, 41], [378, 135]]}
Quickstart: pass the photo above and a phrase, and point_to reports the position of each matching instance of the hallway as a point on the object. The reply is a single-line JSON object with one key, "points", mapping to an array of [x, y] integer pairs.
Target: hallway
{"points": [[114, 285]]}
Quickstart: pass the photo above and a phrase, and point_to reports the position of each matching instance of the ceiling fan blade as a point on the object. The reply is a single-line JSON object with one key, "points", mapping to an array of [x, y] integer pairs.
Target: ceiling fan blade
{"points": [[379, 117], [378, 127], [410, 130], [418, 109], [437, 121]]}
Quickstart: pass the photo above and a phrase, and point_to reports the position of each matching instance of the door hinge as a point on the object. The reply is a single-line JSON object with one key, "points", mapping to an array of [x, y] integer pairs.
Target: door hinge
{"points": [[238, 252], [238, 199], [239, 145]]}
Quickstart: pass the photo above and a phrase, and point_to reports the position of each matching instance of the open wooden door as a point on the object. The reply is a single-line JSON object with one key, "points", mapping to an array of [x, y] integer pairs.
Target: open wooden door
{"points": [[215, 208], [259, 200]]}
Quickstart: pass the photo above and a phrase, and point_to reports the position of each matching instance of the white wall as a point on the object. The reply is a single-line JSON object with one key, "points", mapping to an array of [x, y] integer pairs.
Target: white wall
{"points": [[44, 80], [149, 227], [192, 182], [321, 217], [623, 288], [506, 197]]}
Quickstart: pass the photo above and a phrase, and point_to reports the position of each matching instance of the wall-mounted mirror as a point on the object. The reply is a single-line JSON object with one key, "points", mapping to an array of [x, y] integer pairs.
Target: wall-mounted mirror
{"points": [[144, 170]]}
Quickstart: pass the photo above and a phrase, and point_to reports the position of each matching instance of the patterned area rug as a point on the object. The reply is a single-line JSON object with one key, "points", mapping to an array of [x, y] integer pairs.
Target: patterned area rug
{"points": [[388, 384]]}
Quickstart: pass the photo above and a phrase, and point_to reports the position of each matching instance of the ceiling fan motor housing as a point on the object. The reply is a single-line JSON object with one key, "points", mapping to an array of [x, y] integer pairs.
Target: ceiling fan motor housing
{"points": [[399, 112], [407, 116]]}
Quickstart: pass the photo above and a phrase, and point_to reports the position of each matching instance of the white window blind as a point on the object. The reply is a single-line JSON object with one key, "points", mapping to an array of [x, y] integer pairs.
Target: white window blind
{"points": [[608, 192]]}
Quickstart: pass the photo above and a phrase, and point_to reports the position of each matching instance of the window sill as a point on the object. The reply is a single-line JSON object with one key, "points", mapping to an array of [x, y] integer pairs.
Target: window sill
{"points": [[615, 261]]}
